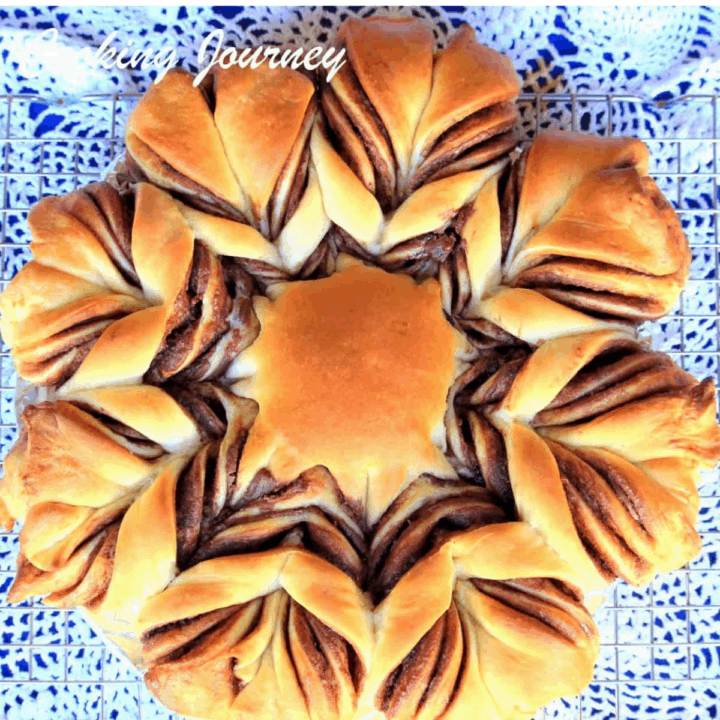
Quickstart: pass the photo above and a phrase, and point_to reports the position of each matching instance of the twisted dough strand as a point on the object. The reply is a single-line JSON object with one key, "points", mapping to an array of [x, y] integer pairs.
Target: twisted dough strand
{"points": [[106, 304], [598, 444], [86, 475]]}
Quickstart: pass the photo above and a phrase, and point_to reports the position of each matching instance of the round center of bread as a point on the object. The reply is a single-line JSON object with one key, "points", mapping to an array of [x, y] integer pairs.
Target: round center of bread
{"points": [[352, 372]]}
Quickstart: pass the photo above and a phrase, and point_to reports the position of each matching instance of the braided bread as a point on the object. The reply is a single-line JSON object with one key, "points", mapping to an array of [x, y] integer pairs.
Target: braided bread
{"points": [[347, 411]]}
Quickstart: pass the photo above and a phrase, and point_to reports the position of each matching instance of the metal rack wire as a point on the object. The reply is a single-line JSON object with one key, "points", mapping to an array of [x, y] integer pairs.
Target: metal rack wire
{"points": [[660, 645]]}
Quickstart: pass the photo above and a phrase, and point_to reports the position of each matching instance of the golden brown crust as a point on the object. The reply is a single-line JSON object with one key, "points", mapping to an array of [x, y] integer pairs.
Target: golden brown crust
{"points": [[340, 536], [577, 237], [86, 476], [534, 318], [261, 114], [174, 126], [398, 91], [148, 300], [467, 77], [363, 217], [594, 427], [593, 231], [238, 628], [401, 116], [283, 633], [557, 162], [347, 385], [513, 623], [433, 206], [240, 147], [86, 234]]}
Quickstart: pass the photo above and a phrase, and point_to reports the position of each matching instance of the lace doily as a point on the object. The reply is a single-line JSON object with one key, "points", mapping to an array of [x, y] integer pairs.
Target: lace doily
{"points": [[654, 52], [661, 66]]}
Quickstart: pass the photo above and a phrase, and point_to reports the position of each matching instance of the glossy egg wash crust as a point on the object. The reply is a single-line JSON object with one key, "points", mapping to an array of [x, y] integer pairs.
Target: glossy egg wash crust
{"points": [[347, 409]]}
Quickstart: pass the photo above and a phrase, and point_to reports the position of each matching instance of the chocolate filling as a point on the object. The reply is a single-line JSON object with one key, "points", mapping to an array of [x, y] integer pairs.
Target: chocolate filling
{"points": [[343, 136], [210, 426], [465, 136], [555, 606], [181, 187], [474, 158], [425, 529], [321, 262], [112, 227], [371, 130], [292, 180], [189, 496]]}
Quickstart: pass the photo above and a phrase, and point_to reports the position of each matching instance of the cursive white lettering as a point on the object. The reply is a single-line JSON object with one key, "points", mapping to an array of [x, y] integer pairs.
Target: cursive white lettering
{"points": [[271, 53], [331, 59], [310, 58], [105, 54], [165, 59], [228, 58], [333, 65], [256, 60], [218, 35], [108, 55], [293, 58]]}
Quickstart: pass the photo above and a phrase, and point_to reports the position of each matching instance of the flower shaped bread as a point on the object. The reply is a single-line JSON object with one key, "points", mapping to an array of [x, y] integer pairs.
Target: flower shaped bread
{"points": [[346, 409]]}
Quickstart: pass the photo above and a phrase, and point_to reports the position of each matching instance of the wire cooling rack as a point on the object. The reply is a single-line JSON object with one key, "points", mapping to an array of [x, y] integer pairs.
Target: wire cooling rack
{"points": [[660, 654]]}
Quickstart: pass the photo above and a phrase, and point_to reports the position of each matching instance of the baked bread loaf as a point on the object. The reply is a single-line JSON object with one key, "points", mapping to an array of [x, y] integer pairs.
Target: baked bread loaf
{"points": [[346, 410]]}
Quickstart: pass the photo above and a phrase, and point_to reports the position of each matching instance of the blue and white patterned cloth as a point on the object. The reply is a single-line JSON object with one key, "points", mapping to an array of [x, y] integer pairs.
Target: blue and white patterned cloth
{"points": [[661, 645], [658, 53]]}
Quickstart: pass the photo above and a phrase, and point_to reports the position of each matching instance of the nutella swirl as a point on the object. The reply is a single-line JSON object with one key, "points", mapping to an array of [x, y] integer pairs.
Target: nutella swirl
{"points": [[422, 518], [597, 419], [454, 597], [84, 271], [458, 116], [275, 560], [573, 236], [278, 553], [236, 657], [214, 162], [85, 471], [109, 280]]}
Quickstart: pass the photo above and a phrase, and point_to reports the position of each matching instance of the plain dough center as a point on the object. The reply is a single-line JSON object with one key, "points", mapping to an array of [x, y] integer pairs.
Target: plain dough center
{"points": [[353, 373]]}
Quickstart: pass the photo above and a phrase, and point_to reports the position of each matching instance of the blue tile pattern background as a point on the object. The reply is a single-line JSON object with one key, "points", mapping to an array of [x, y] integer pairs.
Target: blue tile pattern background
{"points": [[652, 72]]}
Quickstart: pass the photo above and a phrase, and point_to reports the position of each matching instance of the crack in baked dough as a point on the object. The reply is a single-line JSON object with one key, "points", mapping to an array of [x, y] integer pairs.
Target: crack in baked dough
{"points": [[345, 516]]}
